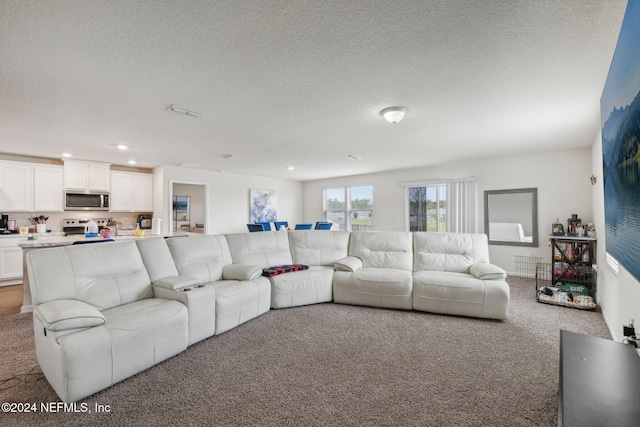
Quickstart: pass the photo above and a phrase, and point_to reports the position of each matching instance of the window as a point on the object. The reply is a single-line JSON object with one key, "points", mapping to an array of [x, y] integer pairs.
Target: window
{"points": [[351, 208], [446, 206], [428, 208]]}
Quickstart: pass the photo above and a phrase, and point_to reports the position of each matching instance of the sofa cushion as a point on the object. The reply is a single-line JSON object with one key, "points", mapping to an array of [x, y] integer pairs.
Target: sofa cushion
{"points": [[311, 247], [350, 263], [375, 287], [200, 257], [487, 271], [297, 288], [157, 258], [241, 272], [262, 249], [104, 275], [454, 252], [144, 333], [382, 249], [240, 301], [460, 294], [64, 314]]}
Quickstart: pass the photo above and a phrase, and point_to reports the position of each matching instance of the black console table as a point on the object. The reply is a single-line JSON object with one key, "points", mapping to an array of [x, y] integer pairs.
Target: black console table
{"points": [[599, 382]]}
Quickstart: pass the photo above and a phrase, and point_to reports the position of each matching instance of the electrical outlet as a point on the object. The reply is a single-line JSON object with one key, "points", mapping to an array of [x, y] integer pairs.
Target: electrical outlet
{"points": [[628, 331]]}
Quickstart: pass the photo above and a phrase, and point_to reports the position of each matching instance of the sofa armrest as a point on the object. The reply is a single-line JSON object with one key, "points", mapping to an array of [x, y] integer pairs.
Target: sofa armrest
{"points": [[241, 272], [487, 271], [65, 314], [176, 282], [350, 263]]}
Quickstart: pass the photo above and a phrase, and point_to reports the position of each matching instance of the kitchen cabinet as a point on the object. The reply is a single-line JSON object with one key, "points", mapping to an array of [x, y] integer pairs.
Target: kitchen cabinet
{"points": [[48, 188], [16, 187], [82, 175], [28, 187], [131, 192], [10, 261]]}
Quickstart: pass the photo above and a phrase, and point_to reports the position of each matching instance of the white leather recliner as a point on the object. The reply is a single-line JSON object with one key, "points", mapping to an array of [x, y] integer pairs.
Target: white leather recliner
{"points": [[241, 293], [377, 271], [96, 318], [452, 275]]}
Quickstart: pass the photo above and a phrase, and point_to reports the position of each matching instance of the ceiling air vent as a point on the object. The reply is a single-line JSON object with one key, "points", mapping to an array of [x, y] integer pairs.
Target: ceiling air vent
{"points": [[184, 111]]}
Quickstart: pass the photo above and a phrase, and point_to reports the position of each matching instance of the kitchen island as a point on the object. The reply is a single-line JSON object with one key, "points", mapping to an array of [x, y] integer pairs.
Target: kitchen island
{"points": [[44, 240]]}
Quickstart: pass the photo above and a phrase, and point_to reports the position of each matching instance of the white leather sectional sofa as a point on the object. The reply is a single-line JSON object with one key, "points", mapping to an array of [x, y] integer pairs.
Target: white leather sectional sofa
{"points": [[107, 311]]}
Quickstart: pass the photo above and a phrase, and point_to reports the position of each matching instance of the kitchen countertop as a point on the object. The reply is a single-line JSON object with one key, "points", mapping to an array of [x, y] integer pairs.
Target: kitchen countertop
{"points": [[49, 240]]}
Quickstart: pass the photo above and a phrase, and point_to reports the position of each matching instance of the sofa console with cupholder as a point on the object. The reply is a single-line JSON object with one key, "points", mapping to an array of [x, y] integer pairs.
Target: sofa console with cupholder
{"points": [[105, 312]]}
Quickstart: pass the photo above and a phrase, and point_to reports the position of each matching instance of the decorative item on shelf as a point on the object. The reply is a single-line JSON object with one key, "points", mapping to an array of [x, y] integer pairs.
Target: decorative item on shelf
{"points": [[557, 228], [591, 229], [573, 223]]}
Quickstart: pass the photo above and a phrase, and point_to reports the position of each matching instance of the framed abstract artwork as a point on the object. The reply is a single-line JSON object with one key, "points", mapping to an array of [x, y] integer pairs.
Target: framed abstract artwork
{"points": [[263, 206]]}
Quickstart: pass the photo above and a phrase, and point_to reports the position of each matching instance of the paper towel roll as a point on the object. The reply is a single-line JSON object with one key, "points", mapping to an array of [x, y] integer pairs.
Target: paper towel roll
{"points": [[156, 225]]}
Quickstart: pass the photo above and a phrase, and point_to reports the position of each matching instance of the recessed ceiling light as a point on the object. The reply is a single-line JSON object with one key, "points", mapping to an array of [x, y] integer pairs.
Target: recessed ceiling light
{"points": [[393, 114], [122, 147], [353, 157], [290, 168], [226, 156], [67, 155], [184, 111], [132, 162]]}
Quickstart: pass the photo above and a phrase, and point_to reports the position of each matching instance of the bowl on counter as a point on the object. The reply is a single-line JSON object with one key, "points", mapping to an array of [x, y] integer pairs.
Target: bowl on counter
{"points": [[139, 233]]}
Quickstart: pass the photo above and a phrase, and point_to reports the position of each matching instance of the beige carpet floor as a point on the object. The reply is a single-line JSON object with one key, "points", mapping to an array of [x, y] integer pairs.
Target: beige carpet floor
{"points": [[331, 364]]}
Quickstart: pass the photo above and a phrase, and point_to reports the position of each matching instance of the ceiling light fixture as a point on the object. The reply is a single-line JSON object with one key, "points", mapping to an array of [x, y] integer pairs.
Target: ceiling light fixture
{"points": [[132, 162], [353, 157], [393, 114], [290, 168], [67, 155], [122, 147], [227, 156], [180, 110]]}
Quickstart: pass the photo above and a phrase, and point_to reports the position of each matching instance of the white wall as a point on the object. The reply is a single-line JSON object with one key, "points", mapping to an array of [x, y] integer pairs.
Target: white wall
{"points": [[618, 296], [227, 197], [562, 179]]}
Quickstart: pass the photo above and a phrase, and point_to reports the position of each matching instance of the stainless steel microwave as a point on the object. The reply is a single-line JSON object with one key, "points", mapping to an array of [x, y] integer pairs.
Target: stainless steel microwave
{"points": [[77, 201]]}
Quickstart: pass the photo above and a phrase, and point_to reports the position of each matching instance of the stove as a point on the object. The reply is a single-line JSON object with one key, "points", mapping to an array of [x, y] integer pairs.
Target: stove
{"points": [[76, 226]]}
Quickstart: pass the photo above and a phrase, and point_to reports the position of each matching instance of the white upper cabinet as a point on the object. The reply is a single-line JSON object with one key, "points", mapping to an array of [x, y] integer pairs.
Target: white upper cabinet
{"points": [[86, 176], [27, 187], [131, 192], [48, 188], [16, 187]]}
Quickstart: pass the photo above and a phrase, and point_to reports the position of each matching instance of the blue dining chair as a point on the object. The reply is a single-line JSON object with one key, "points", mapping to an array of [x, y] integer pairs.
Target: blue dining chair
{"points": [[266, 226], [255, 227], [304, 226], [278, 224], [323, 225]]}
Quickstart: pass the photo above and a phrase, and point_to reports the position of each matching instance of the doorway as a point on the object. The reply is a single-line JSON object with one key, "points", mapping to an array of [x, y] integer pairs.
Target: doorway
{"points": [[188, 207]]}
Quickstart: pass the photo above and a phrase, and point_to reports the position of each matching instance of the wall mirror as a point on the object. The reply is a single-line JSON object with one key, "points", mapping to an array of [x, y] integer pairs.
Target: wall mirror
{"points": [[511, 217]]}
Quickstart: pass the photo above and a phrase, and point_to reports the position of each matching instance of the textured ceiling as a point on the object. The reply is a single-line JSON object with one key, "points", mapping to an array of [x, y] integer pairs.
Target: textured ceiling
{"points": [[301, 82]]}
